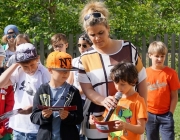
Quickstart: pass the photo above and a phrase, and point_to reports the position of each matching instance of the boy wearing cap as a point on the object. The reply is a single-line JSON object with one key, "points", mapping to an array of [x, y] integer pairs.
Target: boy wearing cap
{"points": [[28, 75], [57, 125], [6, 102]]}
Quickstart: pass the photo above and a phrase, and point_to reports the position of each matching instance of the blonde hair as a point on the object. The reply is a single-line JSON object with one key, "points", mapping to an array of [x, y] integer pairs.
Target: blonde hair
{"points": [[157, 47], [4, 39], [94, 6]]}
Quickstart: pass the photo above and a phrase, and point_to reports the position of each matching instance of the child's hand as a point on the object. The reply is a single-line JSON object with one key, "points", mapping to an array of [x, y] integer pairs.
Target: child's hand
{"points": [[47, 113], [92, 119], [26, 110], [63, 114], [119, 125]]}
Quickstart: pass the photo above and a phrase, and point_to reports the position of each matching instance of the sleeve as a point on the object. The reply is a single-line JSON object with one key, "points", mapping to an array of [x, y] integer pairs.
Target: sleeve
{"points": [[11, 61], [36, 116], [75, 117], [141, 109], [82, 76], [46, 76], [174, 81], [15, 75], [9, 102]]}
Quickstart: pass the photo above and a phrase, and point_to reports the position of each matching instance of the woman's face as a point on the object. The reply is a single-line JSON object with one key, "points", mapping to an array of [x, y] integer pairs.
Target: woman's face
{"points": [[10, 37], [99, 35], [83, 45]]}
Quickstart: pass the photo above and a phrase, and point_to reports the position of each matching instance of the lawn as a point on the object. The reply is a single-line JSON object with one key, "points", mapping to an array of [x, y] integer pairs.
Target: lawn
{"points": [[177, 120]]}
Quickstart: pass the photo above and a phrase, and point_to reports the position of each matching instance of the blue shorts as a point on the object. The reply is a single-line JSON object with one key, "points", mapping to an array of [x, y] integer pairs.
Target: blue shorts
{"points": [[23, 136]]}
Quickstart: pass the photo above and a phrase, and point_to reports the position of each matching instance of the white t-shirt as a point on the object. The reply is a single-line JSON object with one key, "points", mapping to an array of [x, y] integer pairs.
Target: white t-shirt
{"points": [[27, 86], [75, 63]]}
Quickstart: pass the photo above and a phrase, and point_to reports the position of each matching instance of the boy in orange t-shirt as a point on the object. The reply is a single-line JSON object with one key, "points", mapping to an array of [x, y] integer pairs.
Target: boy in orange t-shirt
{"points": [[163, 85], [130, 115]]}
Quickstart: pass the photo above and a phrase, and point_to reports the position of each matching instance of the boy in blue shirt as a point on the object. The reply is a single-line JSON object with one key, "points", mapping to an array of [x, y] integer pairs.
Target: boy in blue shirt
{"points": [[57, 125]]}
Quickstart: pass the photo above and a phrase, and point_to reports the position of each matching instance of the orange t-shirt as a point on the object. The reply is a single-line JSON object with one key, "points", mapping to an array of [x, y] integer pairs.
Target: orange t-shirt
{"points": [[160, 83], [129, 110]]}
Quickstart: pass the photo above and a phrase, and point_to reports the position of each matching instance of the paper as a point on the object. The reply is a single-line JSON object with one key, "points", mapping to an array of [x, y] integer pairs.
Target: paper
{"points": [[57, 108], [8, 114], [105, 127]]}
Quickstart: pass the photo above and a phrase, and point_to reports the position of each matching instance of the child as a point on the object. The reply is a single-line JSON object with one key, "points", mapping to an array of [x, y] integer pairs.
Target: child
{"points": [[28, 75], [58, 125], [163, 85], [130, 114], [59, 42], [84, 43], [10, 33], [20, 39], [6, 103]]}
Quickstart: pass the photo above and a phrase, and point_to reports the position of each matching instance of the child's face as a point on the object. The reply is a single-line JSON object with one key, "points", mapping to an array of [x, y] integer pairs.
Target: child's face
{"points": [[157, 60], [123, 87], [20, 41], [59, 76], [31, 67], [10, 37], [83, 46], [60, 46]]}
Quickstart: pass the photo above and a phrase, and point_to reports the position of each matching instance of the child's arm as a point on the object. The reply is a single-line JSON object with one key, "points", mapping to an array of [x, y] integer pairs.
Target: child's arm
{"points": [[137, 129], [39, 116], [5, 76], [174, 100]]}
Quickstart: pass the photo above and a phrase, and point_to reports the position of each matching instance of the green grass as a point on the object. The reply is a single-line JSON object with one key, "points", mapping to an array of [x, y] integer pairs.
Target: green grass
{"points": [[177, 120]]}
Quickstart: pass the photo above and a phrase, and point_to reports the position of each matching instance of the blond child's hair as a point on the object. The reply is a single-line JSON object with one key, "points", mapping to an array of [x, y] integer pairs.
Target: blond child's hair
{"points": [[58, 37], [157, 47], [94, 6]]}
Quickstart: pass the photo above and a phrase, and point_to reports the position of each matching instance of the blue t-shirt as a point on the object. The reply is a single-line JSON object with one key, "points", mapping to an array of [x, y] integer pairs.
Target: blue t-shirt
{"points": [[57, 99]]}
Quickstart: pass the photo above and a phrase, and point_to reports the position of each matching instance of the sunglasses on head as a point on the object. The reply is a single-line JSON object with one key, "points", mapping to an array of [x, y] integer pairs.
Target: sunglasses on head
{"points": [[95, 14], [83, 45], [11, 36]]}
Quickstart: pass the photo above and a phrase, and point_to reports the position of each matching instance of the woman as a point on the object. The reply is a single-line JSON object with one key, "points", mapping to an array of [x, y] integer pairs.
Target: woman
{"points": [[95, 65]]}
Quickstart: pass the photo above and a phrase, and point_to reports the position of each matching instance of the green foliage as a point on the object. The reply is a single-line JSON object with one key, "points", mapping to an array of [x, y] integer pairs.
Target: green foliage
{"points": [[129, 18]]}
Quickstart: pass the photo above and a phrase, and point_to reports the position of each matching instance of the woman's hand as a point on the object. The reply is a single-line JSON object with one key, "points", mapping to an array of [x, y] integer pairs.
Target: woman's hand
{"points": [[46, 113], [109, 102]]}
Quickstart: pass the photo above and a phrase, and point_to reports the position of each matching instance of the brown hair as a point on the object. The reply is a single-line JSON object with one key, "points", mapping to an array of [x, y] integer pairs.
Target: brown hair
{"points": [[58, 37], [24, 36], [124, 71], [94, 6]]}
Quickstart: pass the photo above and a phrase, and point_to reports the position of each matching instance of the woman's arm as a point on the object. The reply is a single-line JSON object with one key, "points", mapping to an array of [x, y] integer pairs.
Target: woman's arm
{"points": [[142, 89]]}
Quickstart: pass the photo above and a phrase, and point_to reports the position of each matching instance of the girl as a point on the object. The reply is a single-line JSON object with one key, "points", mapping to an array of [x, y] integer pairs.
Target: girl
{"points": [[10, 33]]}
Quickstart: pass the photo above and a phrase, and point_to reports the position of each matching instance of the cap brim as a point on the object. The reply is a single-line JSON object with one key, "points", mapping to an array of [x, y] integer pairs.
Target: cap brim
{"points": [[63, 69]]}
